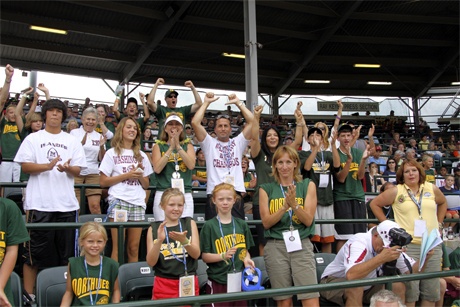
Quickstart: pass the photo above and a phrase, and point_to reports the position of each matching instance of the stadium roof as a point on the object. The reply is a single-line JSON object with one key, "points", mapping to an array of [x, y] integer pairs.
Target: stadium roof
{"points": [[415, 42]]}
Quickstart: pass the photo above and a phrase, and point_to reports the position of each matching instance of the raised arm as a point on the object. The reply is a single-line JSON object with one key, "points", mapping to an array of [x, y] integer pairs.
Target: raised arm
{"points": [[45, 91], [362, 163], [151, 99], [255, 144], [339, 114], [335, 151], [200, 132], [4, 94], [247, 114], [20, 107], [116, 106], [196, 95], [145, 107], [300, 128], [370, 134]]}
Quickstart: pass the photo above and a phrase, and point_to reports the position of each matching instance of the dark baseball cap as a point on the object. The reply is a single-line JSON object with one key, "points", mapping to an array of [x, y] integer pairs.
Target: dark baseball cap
{"points": [[345, 128], [313, 130], [171, 91]]}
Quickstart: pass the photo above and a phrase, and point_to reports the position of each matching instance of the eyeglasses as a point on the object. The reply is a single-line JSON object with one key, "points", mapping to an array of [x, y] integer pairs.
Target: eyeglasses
{"points": [[391, 162], [223, 116], [172, 96], [188, 127]]}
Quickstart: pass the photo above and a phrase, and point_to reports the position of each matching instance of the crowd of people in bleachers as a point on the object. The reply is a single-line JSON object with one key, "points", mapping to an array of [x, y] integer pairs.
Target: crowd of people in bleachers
{"points": [[284, 173]]}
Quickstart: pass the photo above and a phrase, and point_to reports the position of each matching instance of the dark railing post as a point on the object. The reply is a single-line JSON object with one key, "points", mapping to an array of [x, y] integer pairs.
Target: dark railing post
{"points": [[121, 244]]}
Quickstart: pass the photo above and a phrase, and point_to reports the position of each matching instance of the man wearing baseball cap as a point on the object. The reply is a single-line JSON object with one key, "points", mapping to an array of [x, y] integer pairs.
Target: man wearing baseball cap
{"points": [[362, 257], [171, 98]]}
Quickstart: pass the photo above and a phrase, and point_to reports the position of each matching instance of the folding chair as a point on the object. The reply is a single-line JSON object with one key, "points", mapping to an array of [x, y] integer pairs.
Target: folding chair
{"points": [[16, 288], [50, 286], [202, 276], [91, 218], [322, 261], [136, 281]]}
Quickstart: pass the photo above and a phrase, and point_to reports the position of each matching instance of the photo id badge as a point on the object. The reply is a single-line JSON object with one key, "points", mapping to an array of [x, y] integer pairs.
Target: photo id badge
{"points": [[230, 180], [323, 180], [234, 282], [292, 240], [187, 286], [420, 228], [178, 184], [120, 215]]}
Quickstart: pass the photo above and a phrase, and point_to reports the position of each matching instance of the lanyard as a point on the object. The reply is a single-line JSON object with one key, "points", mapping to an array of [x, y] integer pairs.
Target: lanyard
{"points": [[184, 259], [291, 227], [176, 174], [417, 203], [225, 242], [98, 282]]}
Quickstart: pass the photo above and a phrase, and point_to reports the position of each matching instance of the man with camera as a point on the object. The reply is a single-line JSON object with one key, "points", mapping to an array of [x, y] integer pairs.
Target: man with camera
{"points": [[369, 255]]}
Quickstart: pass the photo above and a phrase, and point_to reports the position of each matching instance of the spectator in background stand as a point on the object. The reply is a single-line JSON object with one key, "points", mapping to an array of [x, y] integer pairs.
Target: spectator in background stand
{"points": [[410, 154], [211, 125], [424, 142], [199, 174], [434, 152], [171, 98], [457, 176], [71, 125], [52, 158], [399, 157], [387, 210], [147, 140], [250, 182], [377, 151], [132, 110], [104, 126], [446, 190], [9, 134], [452, 144], [94, 146], [427, 163], [394, 142], [373, 179], [390, 170], [413, 145]]}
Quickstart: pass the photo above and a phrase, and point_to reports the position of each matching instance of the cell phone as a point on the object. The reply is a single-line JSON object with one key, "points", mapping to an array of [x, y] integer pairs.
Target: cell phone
{"points": [[119, 89]]}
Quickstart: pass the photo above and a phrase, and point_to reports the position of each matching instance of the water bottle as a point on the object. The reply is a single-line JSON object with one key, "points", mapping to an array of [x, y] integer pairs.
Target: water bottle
{"points": [[450, 233]]}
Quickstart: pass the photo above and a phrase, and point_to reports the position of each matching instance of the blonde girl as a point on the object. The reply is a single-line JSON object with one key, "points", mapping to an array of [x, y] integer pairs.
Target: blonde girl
{"points": [[173, 249], [92, 279], [126, 170]]}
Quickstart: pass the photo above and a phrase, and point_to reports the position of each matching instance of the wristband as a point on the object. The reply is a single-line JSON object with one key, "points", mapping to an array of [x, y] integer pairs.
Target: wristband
{"points": [[186, 243], [166, 155], [6, 81], [222, 255], [338, 117], [240, 104], [296, 207], [441, 225]]}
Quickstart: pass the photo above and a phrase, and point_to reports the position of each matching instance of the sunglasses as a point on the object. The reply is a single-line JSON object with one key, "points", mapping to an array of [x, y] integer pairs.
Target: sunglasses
{"points": [[188, 127], [391, 162], [223, 116], [172, 96]]}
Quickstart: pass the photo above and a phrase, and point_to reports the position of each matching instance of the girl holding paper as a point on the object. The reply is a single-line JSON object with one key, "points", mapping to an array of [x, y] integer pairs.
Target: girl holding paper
{"points": [[418, 207], [174, 160], [287, 208], [125, 169]]}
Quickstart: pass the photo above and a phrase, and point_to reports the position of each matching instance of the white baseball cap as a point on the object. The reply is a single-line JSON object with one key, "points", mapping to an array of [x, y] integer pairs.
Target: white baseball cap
{"points": [[384, 231], [173, 117]]}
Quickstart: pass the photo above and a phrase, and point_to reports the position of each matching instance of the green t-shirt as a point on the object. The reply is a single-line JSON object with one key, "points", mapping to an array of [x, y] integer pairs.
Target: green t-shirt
{"points": [[79, 281], [167, 265], [276, 201], [10, 140], [211, 241], [109, 126], [12, 232], [264, 174], [197, 171], [324, 195], [163, 112], [164, 177], [352, 188], [430, 176]]}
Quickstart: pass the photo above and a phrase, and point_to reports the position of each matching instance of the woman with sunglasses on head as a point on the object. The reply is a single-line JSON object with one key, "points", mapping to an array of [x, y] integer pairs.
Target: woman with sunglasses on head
{"points": [[262, 154], [390, 172], [174, 159]]}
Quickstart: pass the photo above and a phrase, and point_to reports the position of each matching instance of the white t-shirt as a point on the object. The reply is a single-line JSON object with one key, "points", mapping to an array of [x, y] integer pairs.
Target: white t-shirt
{"points": [[51, 191], [358, 249], [129, 190], [224, 159], [91, 149]]}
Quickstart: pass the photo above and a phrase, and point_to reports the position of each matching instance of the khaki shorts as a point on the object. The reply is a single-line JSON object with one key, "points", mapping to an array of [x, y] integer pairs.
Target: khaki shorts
{"points": [[337, 295], [88, 179]]}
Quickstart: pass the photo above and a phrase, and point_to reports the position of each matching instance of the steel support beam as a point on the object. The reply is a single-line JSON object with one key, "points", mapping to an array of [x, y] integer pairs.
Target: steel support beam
{"points": [[250, 51]]}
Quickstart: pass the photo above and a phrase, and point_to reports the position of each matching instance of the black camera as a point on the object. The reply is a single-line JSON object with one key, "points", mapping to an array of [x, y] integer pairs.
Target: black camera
{"points": [[398, 237]]}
